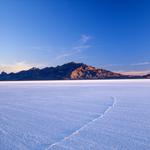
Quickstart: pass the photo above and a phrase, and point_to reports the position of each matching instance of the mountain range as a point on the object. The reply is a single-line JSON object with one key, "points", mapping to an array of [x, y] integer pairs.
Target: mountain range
{"points": [[69, 71]]}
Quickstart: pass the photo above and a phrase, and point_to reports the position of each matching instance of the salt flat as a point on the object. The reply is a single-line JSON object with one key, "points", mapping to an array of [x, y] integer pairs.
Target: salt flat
{"points": [[75, 115]]}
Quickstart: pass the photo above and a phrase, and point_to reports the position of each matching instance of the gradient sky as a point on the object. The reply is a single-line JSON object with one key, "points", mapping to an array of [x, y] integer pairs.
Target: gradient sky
{"points": [[112, 34]]}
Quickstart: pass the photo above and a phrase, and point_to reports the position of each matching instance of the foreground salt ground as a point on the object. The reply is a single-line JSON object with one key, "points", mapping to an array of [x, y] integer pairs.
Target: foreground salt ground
{"points": [[75, 115]]}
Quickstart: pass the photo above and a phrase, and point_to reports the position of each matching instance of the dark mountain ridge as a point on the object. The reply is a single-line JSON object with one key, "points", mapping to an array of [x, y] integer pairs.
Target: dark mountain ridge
{"points": [[147, 76], [69, 71]]}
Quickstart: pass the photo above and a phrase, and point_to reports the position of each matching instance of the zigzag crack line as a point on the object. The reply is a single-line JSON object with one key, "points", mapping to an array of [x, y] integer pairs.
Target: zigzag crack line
{"points": [[84, 126]]}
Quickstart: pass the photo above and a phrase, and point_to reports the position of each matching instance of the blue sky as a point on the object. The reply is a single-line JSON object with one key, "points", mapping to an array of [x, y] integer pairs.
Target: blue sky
{"points": [[113, 34]]}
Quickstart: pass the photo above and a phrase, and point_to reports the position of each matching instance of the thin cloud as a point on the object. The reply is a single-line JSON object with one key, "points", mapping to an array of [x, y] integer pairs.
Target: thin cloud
{"points": [[141, 63], [111, 65], [67, 54], [85, 38], [81, 47], [77, 48], [133, 64], [45, 49], [132, 67], [18, 66], [142, 72]]}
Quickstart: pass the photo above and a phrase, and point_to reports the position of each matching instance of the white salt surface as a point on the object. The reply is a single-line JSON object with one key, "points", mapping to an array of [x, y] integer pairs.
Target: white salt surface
{"points": [[75, 115]]}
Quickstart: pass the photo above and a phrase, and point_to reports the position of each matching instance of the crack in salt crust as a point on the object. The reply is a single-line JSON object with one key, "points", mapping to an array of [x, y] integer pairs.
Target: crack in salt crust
{"points": [[85, 125]]}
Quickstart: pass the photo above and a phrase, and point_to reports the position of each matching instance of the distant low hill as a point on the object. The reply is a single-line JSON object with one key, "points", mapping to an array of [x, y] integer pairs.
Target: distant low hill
{"points": [[147, 76], [69, 71]]}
